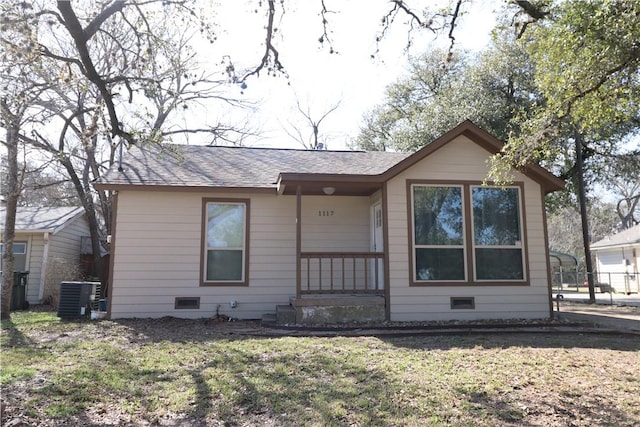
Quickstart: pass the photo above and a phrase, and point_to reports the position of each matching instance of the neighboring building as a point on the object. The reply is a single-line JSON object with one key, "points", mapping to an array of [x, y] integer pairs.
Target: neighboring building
{"points": [[47, 245], [618, 260], [202, 230]]}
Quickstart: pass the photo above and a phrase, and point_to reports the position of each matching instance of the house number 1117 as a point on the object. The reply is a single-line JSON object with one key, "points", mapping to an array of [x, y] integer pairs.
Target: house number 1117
{"points": [[325, 213]]}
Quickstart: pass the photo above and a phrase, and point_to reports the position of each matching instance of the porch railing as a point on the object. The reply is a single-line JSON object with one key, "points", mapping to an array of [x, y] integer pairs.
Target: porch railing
{"points": [[341, 273]]}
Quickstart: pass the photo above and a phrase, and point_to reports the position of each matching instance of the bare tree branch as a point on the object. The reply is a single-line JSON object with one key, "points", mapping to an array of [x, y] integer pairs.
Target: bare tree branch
{"points": [[325, 32], [271, 57], [80, 39]]}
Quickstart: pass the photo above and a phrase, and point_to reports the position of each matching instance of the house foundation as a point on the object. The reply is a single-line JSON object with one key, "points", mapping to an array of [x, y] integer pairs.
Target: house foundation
{"points": [[331, 309]]}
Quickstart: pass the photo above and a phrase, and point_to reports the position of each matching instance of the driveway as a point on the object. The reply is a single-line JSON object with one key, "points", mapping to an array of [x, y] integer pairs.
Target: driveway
{"points": [[601, 298], [623, 315]]}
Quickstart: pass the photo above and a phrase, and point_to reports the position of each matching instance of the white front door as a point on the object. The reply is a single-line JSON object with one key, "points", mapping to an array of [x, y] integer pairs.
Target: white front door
{"points": [[377, 245]]}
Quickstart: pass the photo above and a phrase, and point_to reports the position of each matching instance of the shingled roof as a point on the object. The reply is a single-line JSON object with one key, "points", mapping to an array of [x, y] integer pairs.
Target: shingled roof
{"points": [[238, 167], [42, 219], [628, 237], [190, 166]]}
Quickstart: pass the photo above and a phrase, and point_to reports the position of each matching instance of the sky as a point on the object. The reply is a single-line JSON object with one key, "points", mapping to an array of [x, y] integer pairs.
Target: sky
{"points": [[317, 79]]}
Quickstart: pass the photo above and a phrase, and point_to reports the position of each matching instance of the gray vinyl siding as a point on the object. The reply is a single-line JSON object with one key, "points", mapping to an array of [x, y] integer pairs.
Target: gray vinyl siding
{"points": [[63, 260], [35, 248]]}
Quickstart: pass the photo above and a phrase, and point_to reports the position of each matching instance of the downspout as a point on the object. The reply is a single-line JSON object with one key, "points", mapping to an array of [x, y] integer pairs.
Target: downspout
{"points": [[43, 270], [636, 276]]}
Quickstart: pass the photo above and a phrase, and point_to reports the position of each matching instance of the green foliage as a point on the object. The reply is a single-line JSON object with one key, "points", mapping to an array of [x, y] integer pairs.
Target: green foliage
{"points": [[587, 68], [588, 59], [440, 92], [575, 70]]}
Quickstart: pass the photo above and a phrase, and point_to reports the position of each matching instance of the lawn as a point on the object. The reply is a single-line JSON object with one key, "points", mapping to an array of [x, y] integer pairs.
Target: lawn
{"points": [[194, 373]]}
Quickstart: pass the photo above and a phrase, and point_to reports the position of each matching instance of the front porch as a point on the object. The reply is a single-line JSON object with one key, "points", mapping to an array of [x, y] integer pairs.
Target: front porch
{"points": [[340, 253], [337, 288]]}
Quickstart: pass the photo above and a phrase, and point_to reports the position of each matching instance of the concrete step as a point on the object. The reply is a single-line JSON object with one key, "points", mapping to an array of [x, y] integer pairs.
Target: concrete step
{"points": [[269, 319], [336, 309], [337, 300], [285, 315]]}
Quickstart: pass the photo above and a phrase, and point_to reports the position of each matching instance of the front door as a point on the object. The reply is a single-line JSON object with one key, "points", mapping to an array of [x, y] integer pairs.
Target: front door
{"points": [[377, 245]]}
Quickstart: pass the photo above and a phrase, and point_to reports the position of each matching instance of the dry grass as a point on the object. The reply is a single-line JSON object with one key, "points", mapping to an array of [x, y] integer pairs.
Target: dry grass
{"points": [[192, 373]]}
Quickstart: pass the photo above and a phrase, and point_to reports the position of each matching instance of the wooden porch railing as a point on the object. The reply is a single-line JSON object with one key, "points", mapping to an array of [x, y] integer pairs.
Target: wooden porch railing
{"points": [[341, 273]]}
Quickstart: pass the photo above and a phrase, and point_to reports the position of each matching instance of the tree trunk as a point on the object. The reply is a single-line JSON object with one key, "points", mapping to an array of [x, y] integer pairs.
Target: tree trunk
{"points": [[583, 215], [12, 123], [89, 206]]}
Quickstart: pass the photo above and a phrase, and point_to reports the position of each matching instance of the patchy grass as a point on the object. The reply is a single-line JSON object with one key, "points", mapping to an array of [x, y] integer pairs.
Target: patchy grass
{"points": [[181, 372]]}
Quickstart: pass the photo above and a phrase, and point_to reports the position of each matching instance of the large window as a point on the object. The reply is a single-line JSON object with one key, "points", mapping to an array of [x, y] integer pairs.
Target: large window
{"points": [[438, 233], [466, 234], [497, 239], [225, 241]]}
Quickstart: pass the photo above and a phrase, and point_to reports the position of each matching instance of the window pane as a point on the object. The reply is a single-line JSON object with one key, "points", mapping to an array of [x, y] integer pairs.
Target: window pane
{"points": [[19, 248], [437, 215], [440, 264], [496, 219], [499, 264], [225, 225], [224, 265]]}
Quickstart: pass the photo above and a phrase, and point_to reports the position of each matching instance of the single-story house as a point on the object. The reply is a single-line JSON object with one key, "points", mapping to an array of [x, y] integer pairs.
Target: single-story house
{"points": [[618, 260], [237, 231], [47, 245]]}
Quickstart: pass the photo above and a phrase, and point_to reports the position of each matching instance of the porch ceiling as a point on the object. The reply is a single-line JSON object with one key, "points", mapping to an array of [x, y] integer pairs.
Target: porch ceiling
{"points": [[344, 185]]}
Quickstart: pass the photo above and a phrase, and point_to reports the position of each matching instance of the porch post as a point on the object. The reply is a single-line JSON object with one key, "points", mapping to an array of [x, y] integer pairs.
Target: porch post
{"points": [[385, 231], [298, 240]]}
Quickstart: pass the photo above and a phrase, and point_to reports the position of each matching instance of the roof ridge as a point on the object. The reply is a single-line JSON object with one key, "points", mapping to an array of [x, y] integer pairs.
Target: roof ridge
{"points": [[304, 150]]}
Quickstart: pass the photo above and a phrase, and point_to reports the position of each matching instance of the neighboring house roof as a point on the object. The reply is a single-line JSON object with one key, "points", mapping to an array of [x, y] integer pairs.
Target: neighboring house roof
{"points": [[628, 237], [267, 168], [42, 219]]}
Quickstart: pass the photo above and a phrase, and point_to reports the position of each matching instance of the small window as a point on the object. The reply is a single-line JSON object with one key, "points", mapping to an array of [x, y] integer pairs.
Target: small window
{"points": [[187, 303], [463, 303], [19, 248], [225, 242]]}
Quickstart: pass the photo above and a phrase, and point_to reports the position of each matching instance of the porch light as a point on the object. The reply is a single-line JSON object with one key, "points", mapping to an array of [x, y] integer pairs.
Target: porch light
{"points": [[328, 190]]}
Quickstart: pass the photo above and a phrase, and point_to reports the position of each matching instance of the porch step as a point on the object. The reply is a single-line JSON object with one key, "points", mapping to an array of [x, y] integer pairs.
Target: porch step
{"points": [[336, 309], [285, 315], [337, 300], [268, 319]]}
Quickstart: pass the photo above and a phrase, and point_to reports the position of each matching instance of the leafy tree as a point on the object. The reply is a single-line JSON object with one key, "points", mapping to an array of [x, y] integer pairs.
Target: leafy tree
{"points": [[623, 179], [572, 106], [587, 57], [491, 89]]}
